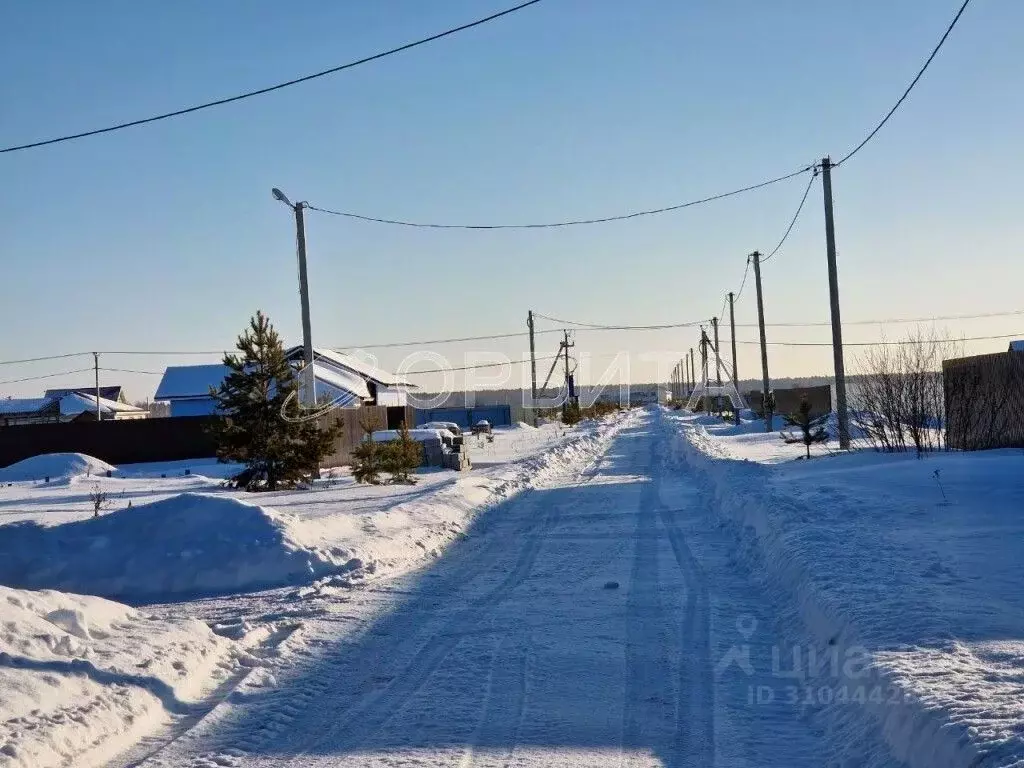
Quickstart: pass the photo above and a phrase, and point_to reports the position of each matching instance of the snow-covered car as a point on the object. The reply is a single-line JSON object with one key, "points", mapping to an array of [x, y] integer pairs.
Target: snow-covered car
{"points": [[482, 427], [451, 426]]}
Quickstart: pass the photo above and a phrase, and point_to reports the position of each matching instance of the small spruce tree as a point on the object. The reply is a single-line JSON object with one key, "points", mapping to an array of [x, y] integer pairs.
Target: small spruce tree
{"points": [[402, 457], [368, 457], [812, 429], [263, 426]]}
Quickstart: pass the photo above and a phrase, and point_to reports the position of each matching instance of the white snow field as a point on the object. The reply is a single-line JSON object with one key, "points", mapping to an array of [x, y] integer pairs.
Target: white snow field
{"points": [[83, 678], [599, 618], [619, 596], [908, 571]]}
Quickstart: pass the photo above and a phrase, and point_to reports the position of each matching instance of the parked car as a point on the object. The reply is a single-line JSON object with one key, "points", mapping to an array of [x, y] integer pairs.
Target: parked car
{"points": [[482, 427], [451, 426]]}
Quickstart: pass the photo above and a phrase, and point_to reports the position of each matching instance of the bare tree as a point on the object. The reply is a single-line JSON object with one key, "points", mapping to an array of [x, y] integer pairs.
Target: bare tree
{"points": [[901, 396], [98, 498]]}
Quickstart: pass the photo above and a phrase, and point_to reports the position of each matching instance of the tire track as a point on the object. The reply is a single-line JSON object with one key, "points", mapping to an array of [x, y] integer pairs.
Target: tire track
{"points": [[369, 714], [695, 715], [648, 697]]}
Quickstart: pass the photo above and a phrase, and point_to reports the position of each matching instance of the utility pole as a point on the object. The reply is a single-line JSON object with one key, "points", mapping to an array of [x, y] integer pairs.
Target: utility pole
{"points": [[704, 368], [732, 334], [308, 383], [718, 368], [533, 362], [833, 297], [568, 376], [765, 402], [96, 370], [309, 380], [692, 371]]}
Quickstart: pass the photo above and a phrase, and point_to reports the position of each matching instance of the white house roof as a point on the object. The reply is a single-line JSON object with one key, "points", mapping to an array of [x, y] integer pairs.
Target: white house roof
{"points": [[76, 403], [341, 380], [22, 404], [182, 382], [185, 381], [352, 363]]}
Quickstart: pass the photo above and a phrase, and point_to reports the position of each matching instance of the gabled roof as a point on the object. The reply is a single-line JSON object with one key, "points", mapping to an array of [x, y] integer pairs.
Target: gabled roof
{"points": [[190, 381], [181, 382], [354, 364], [106, 393], [12, 405], [77, 403]]}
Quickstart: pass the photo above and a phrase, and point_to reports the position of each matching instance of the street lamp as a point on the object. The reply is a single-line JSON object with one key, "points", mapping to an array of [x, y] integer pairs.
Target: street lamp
{"points": [[308, 379]]}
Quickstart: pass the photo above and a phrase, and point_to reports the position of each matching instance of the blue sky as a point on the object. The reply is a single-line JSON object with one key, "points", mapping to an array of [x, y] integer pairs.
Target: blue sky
{"points": [[165, 237]]}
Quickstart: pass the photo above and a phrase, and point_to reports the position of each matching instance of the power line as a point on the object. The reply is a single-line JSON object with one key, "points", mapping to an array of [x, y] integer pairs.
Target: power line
{"points": [[793, 220], [580, 326], [475, 367], [45, 376], [132, 370], [569, 223], [268, 89], [43, 359], [392, 344], [910, 87], [906, 342], [888, 321]]}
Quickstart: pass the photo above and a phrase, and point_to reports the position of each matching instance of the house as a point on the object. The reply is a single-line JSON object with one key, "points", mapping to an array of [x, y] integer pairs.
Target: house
{"points": [[385, 388], [78, 406], [340, 379], [58, 408], [114, 393]]}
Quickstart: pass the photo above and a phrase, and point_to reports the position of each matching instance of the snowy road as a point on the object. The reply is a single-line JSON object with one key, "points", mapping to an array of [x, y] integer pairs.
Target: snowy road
{"points": [[514, 649]]}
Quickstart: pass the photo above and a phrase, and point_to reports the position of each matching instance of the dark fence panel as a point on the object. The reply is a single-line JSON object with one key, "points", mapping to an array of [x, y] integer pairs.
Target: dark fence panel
{"points": [[787, 401], [984, 401], [172, 439], [117, 442]]}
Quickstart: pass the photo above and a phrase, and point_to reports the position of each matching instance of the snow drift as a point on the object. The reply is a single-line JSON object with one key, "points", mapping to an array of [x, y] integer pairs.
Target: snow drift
{"points": [[56, 466], [875, 561], [191, 543], [82, 677]]}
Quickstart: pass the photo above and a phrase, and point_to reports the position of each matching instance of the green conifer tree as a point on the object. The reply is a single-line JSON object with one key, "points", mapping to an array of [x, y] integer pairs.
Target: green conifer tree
{"points": [[263, 425]]}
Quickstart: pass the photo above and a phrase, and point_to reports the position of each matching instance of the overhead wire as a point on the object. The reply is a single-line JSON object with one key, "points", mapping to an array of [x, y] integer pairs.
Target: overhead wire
{"points": [[792, 221], [905, 342], [45, 376], [910, 87], [269, 89], [566, 223]]}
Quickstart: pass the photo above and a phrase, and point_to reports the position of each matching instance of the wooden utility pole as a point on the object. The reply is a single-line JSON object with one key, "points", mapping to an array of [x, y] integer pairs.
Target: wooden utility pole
{"points": [[692, 371], [718, 368], [704, 368], [533, 365], [732, 335], [309, 379], [833, 297], [96, 370], [765, 391]]}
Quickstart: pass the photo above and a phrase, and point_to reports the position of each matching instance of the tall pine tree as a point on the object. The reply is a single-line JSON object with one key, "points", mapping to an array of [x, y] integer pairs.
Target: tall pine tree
{"points": [[262, 425]]}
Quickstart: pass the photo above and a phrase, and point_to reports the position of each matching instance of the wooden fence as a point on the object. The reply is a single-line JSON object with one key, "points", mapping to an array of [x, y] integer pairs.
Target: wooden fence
{"points": [[984, 401], [170, 439]]}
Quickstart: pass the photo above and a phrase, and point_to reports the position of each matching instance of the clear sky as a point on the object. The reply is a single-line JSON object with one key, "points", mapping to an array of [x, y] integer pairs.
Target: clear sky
{"points": [[165, 237]]}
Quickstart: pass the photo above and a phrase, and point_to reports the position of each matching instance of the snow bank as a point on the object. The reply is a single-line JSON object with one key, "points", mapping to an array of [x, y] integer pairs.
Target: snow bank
{"points": [[191, 543], [56, 466], [927, 594], [82, 677]]}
